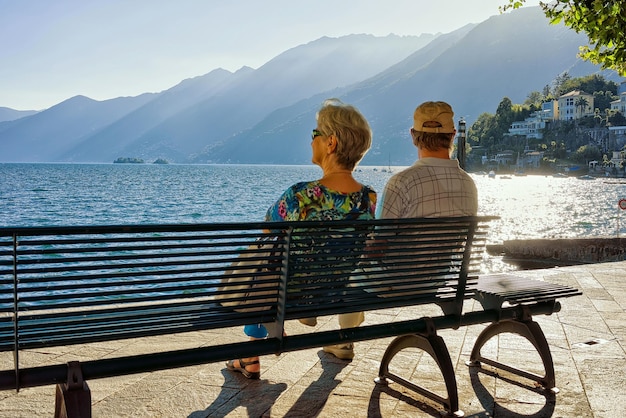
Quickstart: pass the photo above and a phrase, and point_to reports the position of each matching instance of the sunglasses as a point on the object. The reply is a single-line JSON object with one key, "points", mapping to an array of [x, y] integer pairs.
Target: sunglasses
{"points": [[316, 133]]}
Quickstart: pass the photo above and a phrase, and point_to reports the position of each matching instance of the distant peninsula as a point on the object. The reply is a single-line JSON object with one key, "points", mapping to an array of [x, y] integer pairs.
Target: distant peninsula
{"points": [[128, 160]]}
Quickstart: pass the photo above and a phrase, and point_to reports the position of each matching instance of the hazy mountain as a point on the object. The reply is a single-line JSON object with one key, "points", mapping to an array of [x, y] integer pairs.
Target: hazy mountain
{"points": [[298, 73], [507, 55], [7, 114], [110, 141], [289, 128], [48, 134], [184, 119]]}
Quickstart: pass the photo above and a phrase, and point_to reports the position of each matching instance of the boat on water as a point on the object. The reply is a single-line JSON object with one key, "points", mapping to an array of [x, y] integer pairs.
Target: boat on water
{"points": [[586, 177], [387, 170], [560, 175], [492, 174]]}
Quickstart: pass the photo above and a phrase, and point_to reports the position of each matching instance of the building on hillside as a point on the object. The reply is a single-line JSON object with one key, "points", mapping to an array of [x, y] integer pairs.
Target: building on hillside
{"points": [[533, 126], [620, 104], [530, 159], [575, 105], [615, 162], [618, 157], [504, 158], [550, 110], [617, 135]]}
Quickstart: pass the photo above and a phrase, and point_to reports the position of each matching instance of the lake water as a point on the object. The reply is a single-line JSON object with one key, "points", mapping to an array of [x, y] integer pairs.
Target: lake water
{"points": [[107, 194]]}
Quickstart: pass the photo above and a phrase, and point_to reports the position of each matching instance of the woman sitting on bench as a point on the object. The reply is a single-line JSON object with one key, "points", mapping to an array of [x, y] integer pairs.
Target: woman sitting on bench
{"points": [[338, 143]]}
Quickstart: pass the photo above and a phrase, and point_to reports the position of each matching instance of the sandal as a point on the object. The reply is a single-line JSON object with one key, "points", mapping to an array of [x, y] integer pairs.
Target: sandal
{"points": [[230, 365]]}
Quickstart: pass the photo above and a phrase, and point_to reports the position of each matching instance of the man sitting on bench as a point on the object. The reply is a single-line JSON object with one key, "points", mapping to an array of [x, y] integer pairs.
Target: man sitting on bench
{"points": [[435, 186]]}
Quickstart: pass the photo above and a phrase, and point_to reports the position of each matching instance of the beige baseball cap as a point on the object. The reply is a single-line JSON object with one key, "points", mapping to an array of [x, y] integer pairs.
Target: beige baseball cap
{"points": [[435, 117]]}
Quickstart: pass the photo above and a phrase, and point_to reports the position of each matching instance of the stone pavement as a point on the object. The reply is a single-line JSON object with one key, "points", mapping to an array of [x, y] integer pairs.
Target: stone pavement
{"points": [[587, 340]]}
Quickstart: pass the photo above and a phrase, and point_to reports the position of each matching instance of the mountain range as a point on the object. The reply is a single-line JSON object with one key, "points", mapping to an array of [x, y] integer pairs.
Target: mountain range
{"points": [[265, 115]]}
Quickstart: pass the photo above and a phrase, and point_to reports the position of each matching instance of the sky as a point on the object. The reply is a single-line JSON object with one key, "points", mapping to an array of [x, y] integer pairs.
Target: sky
{"points": [[53, 50]]}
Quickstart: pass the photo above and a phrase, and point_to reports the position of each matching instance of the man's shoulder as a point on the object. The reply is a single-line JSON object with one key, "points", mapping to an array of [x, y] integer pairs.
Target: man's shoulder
{"points": [[418, 168]]}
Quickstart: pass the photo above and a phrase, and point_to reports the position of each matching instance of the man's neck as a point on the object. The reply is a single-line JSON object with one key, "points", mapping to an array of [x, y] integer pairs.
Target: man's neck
{"points": [[440, 153]]}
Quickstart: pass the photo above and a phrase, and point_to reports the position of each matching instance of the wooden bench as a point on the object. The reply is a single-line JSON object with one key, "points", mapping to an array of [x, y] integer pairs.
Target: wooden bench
{"points": [[74, 285]]}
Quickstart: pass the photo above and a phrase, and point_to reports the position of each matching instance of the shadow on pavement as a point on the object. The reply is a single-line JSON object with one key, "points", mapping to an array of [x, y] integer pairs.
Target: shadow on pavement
{"points": [[490, 404], [374, 411], [313, 399], [256, 396]]}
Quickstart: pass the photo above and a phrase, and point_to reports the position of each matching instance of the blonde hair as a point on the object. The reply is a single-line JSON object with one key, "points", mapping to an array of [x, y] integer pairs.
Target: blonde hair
{"points": [[354, 135]]}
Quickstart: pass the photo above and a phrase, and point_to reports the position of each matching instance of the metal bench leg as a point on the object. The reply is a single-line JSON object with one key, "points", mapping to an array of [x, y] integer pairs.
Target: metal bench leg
{"points": [[528, 329], [73, 399], [434, 345]]}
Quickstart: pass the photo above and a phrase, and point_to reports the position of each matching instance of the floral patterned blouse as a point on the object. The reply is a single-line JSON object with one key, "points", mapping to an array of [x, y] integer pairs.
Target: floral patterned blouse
{"points": [[313, 201]]}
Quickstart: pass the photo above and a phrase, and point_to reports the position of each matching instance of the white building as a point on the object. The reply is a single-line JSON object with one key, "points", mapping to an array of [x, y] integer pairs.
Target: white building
{"points": [[617, 135], [532, 127], [619, 104], [505, 158], [530, 159]]}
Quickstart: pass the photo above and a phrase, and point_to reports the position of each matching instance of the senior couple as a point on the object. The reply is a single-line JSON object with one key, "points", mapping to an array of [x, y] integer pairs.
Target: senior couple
{"points": [[434, 186]]}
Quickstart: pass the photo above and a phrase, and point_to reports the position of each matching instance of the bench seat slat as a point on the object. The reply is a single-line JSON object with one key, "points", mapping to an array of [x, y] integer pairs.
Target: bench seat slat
{"points": [[513, 289]]}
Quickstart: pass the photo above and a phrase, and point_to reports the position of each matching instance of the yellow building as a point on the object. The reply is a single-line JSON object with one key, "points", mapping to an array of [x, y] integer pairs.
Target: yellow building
{"points": [[575, 105]]}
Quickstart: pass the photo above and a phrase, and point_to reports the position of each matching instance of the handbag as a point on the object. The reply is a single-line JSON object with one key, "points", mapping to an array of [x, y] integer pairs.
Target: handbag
{"points": [[248, 278]]}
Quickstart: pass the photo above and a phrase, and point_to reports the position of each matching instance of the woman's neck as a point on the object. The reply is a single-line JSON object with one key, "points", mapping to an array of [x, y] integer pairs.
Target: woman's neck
{"points": [[340, 180], [337, 172]]}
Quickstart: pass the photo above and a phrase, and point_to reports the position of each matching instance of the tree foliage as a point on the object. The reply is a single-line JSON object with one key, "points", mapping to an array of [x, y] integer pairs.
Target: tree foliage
{"points": [[587, 153], [602, 100], [588, 84], [604, 22], [489, 130], [534, 99], [604, 91]]}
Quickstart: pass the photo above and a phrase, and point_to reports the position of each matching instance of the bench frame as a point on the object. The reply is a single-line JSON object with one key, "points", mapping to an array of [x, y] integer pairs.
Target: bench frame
{"points": [[37, 262]]}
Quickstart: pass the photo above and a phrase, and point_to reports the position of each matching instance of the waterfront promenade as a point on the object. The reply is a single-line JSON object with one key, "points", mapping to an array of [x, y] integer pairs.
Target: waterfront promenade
{"points": [[587, 339]]}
